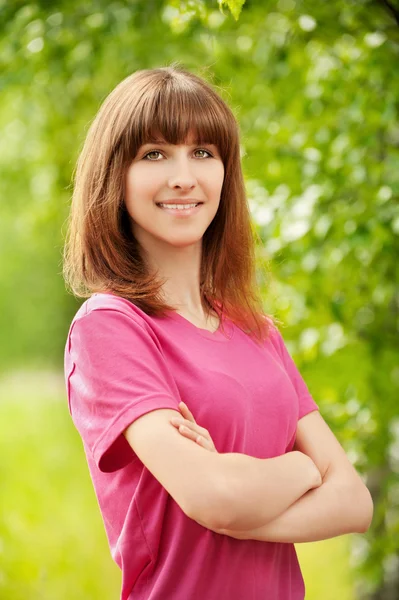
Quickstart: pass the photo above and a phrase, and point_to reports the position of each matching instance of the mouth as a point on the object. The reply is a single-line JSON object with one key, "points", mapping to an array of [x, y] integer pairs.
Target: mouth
{"points": [[180, 210]]}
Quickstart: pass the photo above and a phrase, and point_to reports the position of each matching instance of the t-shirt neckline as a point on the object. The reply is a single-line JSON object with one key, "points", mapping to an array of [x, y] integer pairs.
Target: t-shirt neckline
{"points": [[217, 336]]}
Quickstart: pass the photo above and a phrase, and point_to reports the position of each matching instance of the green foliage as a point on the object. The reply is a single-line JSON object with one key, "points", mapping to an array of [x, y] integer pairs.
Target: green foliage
{"points": [[325, 569], [235, 6], [314, 88], [53, 543]]}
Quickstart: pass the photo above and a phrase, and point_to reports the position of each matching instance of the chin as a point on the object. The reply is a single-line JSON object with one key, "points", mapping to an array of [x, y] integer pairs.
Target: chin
{"points": [[184, 241]]}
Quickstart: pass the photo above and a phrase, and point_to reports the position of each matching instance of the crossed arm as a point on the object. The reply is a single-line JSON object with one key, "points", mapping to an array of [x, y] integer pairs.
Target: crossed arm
{"points": [[341, 505], [333, 509]]}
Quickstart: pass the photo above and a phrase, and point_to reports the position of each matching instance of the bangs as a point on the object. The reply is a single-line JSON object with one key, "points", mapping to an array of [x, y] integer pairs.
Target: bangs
{"points": [[176, 110]]}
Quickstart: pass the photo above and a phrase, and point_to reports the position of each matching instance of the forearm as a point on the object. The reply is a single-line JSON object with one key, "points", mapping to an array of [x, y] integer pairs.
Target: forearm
{"points": [[331, 510], [259, 490]]}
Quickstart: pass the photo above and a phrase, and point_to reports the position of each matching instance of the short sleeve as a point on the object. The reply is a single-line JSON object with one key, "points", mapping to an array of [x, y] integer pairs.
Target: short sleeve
{"points": [[306, 402], [115, 372]]}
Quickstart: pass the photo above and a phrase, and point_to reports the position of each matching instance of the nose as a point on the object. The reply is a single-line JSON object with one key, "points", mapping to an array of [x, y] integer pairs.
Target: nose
{"points": [[182, 175]]}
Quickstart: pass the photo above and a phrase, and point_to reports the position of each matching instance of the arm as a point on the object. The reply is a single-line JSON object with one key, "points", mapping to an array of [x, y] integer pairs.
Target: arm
{"points": [[342, 504], [331, 510], [258, 490]]}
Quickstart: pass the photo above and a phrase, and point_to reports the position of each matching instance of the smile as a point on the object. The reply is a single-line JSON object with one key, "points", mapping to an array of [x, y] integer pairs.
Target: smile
{"points": [[180, 209]]}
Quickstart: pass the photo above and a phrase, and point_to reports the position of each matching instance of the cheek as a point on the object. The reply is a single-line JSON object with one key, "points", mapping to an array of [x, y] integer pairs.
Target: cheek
{"points": [[140, 189], [218, 178]]}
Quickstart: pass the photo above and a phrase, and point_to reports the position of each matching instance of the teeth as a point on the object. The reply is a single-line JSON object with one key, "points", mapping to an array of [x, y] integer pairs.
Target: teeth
{"points": [[178, 206]]}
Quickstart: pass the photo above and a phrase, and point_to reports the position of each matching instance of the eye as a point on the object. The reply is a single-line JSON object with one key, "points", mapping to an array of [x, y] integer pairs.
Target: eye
{"points": [[151, 152], [159, 152], [203, 150]]}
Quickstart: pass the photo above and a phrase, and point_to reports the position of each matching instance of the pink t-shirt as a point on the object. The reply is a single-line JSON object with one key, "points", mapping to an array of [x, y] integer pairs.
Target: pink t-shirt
{"points": [[120, 364]]}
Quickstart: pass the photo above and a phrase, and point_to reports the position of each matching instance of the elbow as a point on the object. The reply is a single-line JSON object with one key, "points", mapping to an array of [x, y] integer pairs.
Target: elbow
{"points": [[211, 509], [364, 508], [218, 511]]}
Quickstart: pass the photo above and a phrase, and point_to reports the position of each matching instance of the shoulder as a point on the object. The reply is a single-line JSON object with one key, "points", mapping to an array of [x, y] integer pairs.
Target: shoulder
{"points": [[276, 342], [109, 319], [110, 302], [107, 334], [105, 306], [273, 336]]}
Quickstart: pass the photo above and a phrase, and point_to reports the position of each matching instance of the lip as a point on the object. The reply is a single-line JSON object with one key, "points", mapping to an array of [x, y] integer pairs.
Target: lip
{"points": [[181, 213]]}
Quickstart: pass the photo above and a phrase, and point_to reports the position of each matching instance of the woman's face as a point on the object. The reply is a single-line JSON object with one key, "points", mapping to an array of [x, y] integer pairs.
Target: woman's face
{"points": [[165, 173]]}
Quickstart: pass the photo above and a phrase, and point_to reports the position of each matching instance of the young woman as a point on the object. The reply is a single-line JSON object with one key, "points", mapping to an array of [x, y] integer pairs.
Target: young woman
{"points": [[161, 245]]}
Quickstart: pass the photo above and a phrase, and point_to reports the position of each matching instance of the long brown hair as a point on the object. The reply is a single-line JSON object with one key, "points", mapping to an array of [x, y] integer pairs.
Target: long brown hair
{"points": [[101, 253]]}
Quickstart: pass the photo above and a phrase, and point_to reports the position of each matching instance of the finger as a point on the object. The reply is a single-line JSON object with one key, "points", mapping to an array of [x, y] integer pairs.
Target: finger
{"points": [[191, 425], [199, 439], [188, 432], [186, 412], [203, 440]]}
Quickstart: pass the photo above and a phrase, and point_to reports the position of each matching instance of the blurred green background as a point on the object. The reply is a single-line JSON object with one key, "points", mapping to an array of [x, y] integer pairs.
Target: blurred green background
{"points": [[315, 88]]}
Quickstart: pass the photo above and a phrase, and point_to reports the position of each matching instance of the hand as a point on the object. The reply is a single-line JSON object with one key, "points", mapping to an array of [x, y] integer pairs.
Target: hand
{"points": [[316, 478], [189, 429]]}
